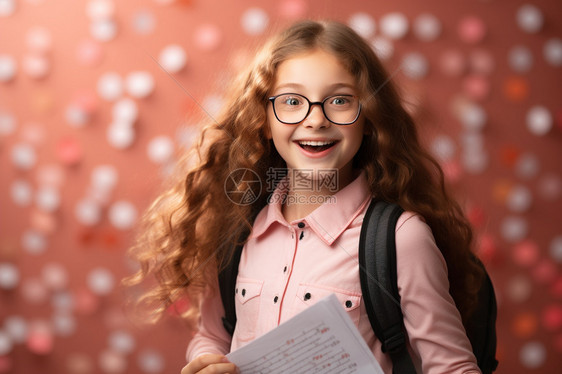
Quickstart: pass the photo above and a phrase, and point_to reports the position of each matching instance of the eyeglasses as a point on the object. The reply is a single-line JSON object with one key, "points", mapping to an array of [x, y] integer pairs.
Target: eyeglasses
{"points": [[291, 108]]}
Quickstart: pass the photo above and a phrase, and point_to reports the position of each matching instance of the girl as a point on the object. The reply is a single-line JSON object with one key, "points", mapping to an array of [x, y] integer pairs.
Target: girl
{"points": [[317, 107]]}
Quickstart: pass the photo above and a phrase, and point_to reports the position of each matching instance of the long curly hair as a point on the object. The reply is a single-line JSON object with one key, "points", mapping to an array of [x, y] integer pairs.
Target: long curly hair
{"points": [[192, 228]]}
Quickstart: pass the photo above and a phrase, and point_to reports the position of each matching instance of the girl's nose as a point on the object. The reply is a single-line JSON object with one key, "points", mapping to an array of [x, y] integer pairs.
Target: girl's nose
{"points": [[316, 118]]}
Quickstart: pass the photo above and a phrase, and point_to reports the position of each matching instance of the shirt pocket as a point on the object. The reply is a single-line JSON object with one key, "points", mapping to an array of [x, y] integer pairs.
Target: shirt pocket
{"points": [[308, 294], [247, 299]]}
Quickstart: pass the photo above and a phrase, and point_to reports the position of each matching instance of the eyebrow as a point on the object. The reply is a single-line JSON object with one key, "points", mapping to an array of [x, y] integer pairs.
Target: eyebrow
{"points": [[331, 87]]}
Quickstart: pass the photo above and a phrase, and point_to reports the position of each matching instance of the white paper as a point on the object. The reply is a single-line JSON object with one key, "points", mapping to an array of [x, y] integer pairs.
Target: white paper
{"points": [[321, 339]]}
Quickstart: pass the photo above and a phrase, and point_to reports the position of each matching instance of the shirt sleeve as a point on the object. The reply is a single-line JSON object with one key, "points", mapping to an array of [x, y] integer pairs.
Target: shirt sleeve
{"points": [[211, 337], [433, 323]]}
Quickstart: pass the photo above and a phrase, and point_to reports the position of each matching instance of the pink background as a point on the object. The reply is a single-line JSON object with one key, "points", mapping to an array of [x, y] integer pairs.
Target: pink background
{"points": [[523, 259]]}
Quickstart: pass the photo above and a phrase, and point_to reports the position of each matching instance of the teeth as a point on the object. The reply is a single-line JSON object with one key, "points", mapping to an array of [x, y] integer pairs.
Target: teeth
{"points": [[315, 143]]}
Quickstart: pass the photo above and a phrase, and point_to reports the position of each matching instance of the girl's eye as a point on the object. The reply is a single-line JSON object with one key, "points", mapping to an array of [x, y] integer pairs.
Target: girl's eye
{"points": [[340, 100], [291, 101]]}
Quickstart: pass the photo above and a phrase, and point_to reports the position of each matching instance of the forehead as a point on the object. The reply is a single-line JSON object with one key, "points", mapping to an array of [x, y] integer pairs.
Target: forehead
{"points": [[315, 70]]}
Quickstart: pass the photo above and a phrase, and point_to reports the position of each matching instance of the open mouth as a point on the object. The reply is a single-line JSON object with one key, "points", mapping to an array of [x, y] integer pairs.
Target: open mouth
{"points": [[315, 145]]}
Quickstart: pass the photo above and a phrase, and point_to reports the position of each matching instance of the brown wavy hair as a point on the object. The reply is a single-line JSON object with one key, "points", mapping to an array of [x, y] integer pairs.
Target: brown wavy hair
{"points": [[192, 228]]}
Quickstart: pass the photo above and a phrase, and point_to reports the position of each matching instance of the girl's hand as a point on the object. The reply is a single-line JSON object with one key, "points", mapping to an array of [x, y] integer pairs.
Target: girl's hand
{"points": [[215, 364]]}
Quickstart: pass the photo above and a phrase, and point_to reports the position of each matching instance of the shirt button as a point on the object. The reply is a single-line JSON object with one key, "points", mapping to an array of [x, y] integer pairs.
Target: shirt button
{"points": [[275, 299], [307, 296], [348, 304], [300, 225]]}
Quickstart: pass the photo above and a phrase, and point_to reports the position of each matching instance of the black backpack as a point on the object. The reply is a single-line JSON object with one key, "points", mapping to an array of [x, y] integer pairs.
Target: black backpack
{"points": [[377, 263]]}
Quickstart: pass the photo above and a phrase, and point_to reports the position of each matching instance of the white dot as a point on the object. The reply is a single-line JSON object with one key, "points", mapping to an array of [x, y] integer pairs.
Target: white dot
{"points": [[104, 177], [363, 24], [110, 86], [8, 68], [394, 25], [123, 215], [9, 276], [120, 136], [415, 65], [383, 47], [125, 110], [88, 212], [519, 199], [527, 166], [21, 192], [173, 58], [443, 147], [186, 136], [112, 362], [7, 8], [427, 27], [6, 343], [208, 37], [101, 281], [472, 141], [254, 21], [48, 199], [76, 116], [529, 18], [100, 9], [55, 276], [539, 120], [36, 66], [63, 301], [23, 156], [121, 342], [34, 242], [556, 249], [39, 39], [16, 327], [532, 355], [7, 121], [213, 104], [514, 229], [99, 196], [520, 59], [475, 162], [103, 30], [64, 324], [473, 117], [34, 291], [140, 84], [151, 362], [553, 52], [143, 22], [160, 149]]}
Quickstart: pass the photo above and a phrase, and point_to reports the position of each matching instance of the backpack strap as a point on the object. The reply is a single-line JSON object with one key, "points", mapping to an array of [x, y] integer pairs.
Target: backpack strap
{"points": [[377, 265], [227, 286]]}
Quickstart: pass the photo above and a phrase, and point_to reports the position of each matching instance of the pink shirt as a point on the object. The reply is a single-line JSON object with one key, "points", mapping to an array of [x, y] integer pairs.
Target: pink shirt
{"points": [[286, 267]]}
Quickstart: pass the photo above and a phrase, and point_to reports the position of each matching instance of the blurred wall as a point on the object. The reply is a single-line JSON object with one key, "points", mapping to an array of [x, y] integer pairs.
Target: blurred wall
{"points": [[98, 97]]}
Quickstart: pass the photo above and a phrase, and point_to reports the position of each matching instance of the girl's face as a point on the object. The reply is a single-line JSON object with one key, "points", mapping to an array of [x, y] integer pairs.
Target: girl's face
{"points": [[315, 143]]}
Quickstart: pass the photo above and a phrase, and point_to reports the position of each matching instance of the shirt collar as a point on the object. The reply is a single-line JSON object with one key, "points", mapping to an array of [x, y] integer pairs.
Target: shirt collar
{"points": [[329, 220]]}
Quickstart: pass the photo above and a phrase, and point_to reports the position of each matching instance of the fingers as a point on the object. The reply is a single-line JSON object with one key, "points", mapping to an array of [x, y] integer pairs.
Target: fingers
{"points": [[211, 364]]}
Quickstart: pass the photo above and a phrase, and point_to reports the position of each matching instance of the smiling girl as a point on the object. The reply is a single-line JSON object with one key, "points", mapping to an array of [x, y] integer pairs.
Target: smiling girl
{"points": [[315, 102]]}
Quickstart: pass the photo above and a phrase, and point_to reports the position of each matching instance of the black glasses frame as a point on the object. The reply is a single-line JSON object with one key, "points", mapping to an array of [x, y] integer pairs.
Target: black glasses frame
{"points": [[310, 104]]}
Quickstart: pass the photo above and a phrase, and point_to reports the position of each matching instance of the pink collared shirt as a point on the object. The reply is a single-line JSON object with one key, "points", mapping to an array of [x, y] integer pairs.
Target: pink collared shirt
{"points": [[288, 266]]}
